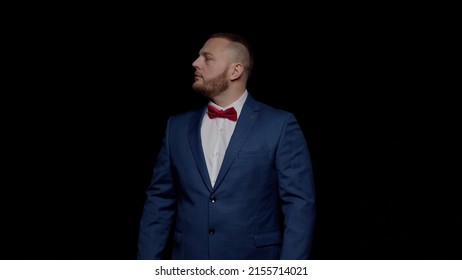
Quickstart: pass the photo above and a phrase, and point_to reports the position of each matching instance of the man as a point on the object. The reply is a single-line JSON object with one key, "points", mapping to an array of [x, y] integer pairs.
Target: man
{"points": [[232, 180]]}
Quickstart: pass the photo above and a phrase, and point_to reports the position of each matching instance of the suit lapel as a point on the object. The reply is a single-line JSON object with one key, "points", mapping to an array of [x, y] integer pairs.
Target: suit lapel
{"points": [[196, 147], [244, 125]]}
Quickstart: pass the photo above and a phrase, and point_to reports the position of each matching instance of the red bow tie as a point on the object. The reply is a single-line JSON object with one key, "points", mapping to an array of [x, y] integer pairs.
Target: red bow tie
{"points": [[229, 113]]}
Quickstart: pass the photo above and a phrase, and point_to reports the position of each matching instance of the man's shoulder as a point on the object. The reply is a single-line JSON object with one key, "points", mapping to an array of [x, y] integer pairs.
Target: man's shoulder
{"points": [[188, 114], [267, 108]]}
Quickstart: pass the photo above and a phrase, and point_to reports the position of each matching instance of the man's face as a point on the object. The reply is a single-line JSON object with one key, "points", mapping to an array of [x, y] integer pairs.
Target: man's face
{"points": [[211, 75]]}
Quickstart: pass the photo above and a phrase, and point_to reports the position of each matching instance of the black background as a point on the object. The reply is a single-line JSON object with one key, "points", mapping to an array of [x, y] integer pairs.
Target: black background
{"points": [[90, 90]]}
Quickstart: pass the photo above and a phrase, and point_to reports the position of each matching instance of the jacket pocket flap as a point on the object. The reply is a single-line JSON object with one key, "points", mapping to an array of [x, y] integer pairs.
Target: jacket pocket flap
{"points": [[262, 153], [269, 238]]}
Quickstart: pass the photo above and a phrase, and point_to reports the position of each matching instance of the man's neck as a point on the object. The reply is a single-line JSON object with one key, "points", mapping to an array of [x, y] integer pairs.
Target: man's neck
{"points": [[225, 99]]}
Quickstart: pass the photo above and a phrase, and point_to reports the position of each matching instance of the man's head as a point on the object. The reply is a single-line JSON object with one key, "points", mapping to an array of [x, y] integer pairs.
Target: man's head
{"points": [[224, 63]]}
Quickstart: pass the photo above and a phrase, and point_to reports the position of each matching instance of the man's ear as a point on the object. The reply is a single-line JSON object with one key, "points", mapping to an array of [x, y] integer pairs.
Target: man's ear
{"points": [[236, 71]]}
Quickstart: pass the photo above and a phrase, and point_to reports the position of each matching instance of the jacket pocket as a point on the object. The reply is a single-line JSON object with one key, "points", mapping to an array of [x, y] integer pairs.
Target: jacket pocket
{"points": [[246, 154], [267, 239]]}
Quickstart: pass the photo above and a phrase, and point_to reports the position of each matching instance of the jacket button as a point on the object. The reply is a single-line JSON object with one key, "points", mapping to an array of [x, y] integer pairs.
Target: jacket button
{"points": [[212, 199], [211, 231]]}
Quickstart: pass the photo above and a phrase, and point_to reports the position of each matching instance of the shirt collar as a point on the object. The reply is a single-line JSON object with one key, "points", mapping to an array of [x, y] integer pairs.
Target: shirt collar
{"points": [[238, 104]]}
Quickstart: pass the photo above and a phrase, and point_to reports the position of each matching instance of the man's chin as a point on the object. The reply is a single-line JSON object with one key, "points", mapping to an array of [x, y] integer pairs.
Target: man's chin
{"points": [[197, 88]]}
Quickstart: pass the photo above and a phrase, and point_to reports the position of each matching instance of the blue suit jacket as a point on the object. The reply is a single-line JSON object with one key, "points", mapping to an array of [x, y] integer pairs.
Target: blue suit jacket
{"points": [[261, 207]]}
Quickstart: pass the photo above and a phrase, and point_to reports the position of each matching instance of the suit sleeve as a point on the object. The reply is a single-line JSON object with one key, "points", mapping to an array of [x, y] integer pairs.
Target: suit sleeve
{"points": [[159, 208], [296, 190]]}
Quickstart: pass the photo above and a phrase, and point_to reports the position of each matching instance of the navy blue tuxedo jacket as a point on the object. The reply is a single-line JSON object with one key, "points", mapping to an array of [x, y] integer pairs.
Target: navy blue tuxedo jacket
{"points": [[261, 207]]}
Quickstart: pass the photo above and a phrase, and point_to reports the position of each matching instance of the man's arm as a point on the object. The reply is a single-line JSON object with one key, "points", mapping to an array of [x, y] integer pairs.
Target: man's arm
{"points": [[159, 208], [296, 190]]}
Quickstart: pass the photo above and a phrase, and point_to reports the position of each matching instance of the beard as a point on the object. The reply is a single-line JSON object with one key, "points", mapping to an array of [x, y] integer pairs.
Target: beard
{"points": [[213, 87]]}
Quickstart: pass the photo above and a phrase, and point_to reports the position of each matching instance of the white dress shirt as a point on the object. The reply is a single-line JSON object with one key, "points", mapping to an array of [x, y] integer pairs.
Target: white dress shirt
{"points": [[215, 135]]}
